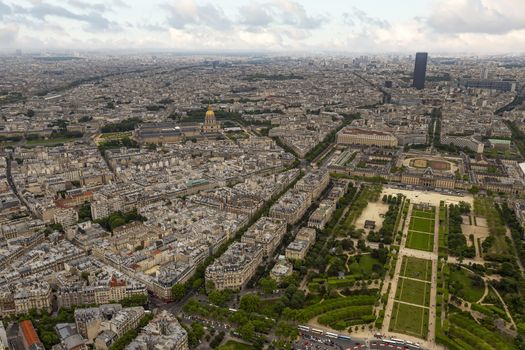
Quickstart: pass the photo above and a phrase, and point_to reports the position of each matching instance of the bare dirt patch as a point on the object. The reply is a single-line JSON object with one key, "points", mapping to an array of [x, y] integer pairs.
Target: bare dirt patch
{"points": [[374, 211]]}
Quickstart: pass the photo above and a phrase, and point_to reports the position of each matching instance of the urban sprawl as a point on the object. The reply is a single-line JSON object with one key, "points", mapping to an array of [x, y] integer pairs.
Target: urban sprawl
{"points": [[257, 202]]}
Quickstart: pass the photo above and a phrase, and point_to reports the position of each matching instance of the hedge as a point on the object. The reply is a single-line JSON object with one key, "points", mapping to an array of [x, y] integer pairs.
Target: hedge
{"points": [[347, 313], [334, 304]]}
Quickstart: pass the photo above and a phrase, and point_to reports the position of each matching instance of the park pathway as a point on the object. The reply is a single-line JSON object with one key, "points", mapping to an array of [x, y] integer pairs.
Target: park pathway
{"points": [[433, 285], [504, 306], [397, 270], [433, 257]]}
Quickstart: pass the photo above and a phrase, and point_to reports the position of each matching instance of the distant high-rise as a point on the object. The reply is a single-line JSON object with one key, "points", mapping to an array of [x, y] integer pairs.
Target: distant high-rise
{"points": [[484, 73], [420, 70]]}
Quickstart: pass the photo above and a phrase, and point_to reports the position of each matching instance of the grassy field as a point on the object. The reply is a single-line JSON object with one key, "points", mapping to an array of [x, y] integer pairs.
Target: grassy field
{"points": [[427, 214], [115, 135], [409, 319], [421, 224], [365, 265], [421, 230], [416, 268], [420, 241], [233, 345], [413, 291], [443, 228], [484, 206], [468, 291]]}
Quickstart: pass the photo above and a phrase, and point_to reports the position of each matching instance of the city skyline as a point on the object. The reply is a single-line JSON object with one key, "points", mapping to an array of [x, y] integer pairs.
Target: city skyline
{"points": [[446, 26]]}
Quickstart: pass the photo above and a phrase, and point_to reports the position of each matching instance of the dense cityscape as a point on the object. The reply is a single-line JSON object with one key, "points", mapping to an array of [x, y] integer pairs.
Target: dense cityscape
{"points": [[262, 174]]}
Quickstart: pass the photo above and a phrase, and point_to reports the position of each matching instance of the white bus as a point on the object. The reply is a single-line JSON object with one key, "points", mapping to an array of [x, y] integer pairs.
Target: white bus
{"points": [[331, 335], [317, 331], [304, 328]]}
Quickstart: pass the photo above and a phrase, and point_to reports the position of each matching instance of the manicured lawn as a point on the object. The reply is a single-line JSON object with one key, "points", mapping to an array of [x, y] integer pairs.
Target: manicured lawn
{"points": [[414, 292], [416, 268], [116, 135], [464, 285], [422, 225], [408, 319], [423, 214], [364, 266], [420, 241], [233, 345]]}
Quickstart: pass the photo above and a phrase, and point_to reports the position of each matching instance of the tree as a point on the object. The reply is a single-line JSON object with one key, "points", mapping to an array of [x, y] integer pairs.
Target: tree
{"points": [[84, 213], [85, 275], [250, 303], [268, 285], [247, 331], [474, 190], [177, 291], [286, 330], [219, 298], [361, 245]]}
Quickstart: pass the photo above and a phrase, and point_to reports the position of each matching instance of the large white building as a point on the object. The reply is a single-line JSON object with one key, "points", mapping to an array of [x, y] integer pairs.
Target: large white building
{"points": [[366, 137]]}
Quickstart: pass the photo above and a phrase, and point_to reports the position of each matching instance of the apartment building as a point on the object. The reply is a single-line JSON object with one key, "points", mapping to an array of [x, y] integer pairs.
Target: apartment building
{"points": [[236, 266], [304, 239], [164, 332], [268, 232], [322, 214]]}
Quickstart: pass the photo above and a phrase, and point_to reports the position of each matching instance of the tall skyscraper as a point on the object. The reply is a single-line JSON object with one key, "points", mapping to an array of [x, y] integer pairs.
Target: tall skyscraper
{"points": [[484, 73], [420, 70]]}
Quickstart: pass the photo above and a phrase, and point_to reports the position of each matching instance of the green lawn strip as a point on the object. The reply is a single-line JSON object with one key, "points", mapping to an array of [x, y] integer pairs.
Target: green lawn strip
{"points": [[420, 241], [409, 319], [413, 291], [116, 135], [422, 224], [423, 214], [416, 268]]}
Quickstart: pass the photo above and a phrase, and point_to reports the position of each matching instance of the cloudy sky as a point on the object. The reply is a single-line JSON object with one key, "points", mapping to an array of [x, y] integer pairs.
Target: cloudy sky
{"points": [[441, 26]]}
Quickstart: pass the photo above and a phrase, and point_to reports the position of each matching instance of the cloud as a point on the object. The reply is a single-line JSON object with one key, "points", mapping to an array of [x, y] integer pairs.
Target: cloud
{"points": [[359, 16], [187, 12], [477, 16], [86, 5], [287, 13], [294, 14], [4, 10], [255, 15], [8, 35], [93, 18]]}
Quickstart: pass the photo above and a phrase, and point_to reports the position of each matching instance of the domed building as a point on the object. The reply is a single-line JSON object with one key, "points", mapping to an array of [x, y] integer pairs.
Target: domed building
{"points": [[211, 125]]}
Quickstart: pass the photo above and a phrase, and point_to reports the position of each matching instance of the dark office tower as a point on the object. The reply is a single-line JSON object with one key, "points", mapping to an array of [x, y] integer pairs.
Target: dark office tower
{"points": [[420, 70]]}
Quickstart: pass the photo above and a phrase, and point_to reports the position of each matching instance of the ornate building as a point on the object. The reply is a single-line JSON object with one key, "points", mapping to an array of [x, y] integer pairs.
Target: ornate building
{"points": [[210, 125]]}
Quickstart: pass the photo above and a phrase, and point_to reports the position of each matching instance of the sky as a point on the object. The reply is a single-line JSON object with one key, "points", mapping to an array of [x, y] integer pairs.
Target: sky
{"points": [[344, 26]]}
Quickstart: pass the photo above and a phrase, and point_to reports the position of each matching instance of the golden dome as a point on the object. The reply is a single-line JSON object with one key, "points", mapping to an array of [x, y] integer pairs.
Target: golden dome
{"points": [[209, 113]]}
